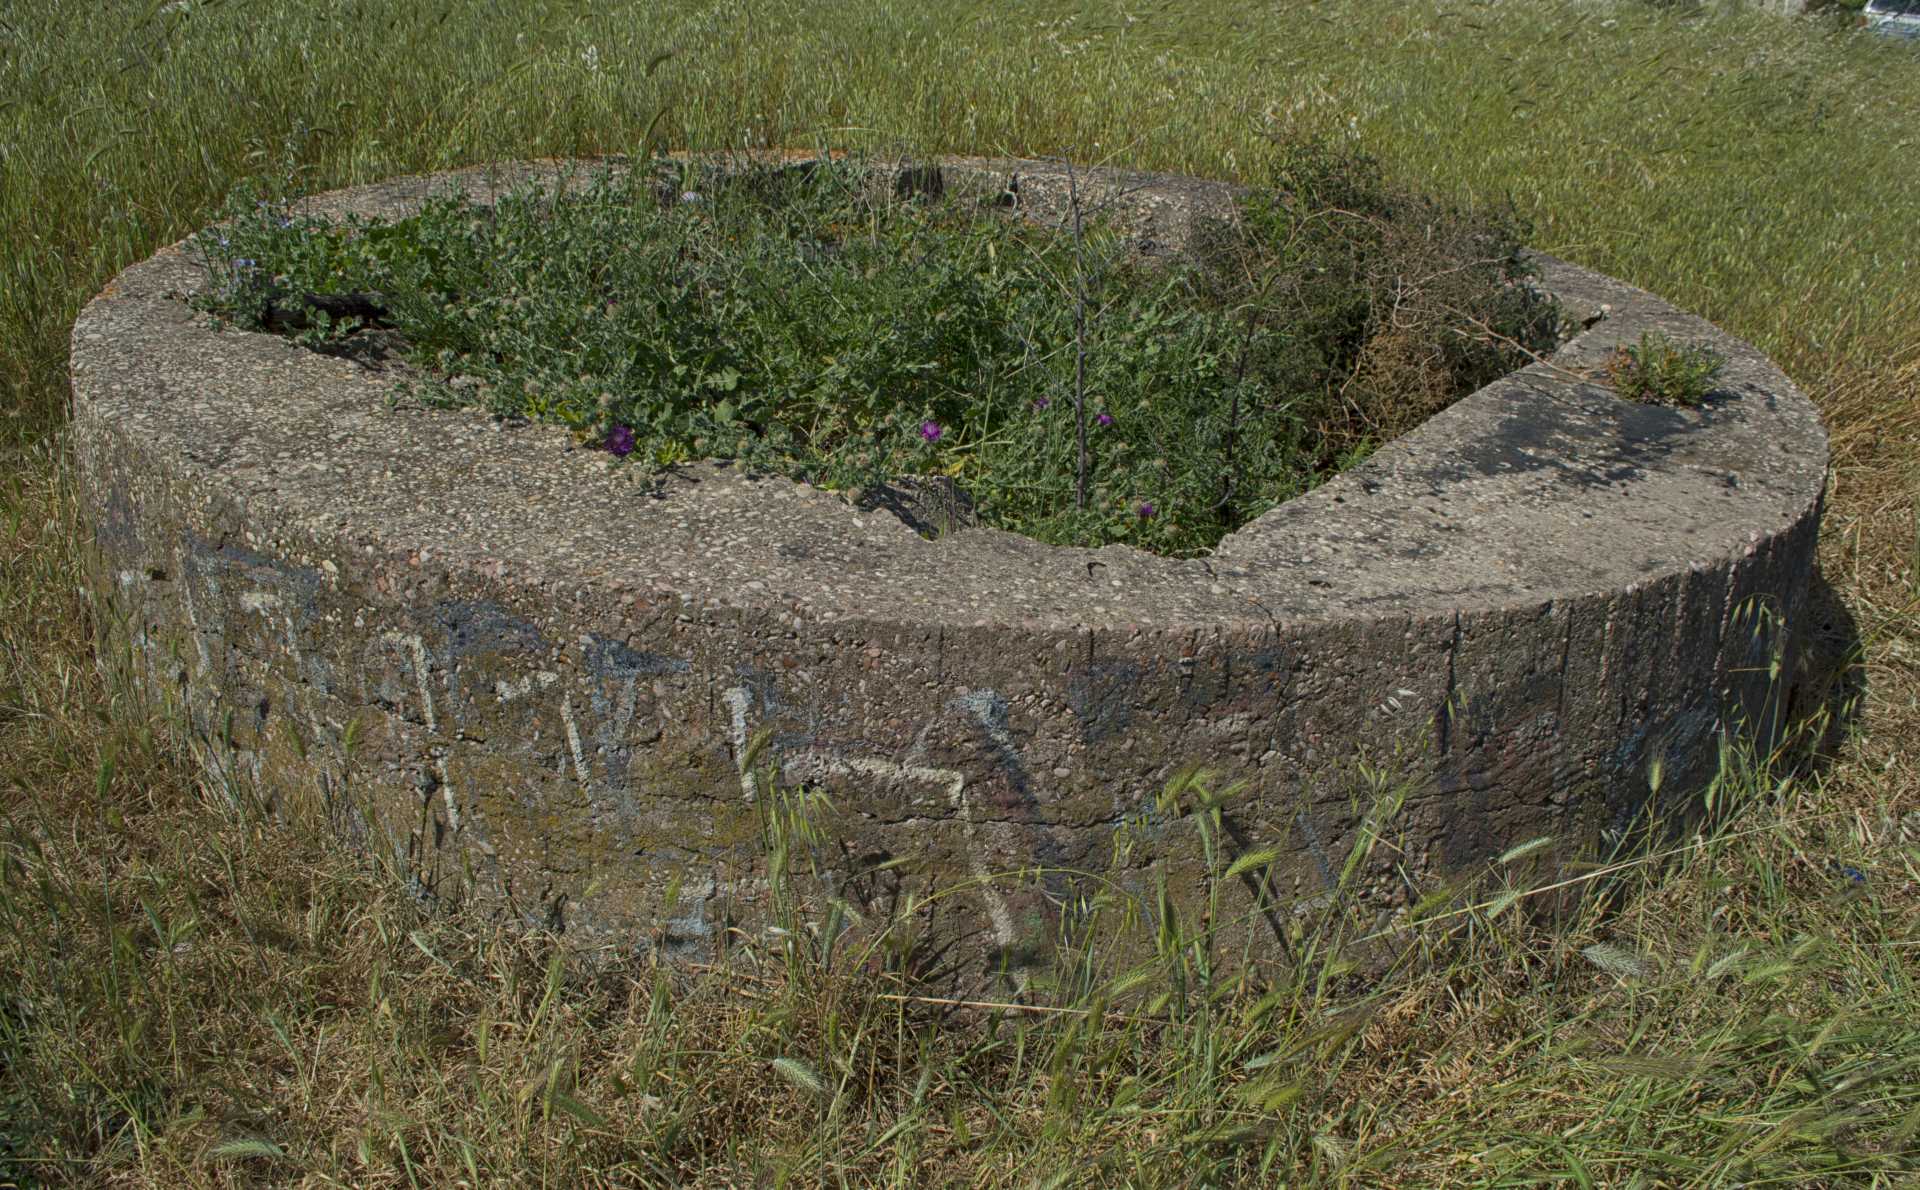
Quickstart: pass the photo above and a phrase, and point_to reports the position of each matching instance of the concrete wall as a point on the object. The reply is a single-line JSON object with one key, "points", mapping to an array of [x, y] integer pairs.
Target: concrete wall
{"points": [[490, 660]]}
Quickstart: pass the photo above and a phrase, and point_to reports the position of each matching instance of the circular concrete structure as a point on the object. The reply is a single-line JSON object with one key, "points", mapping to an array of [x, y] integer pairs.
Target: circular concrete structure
{"points": [[495, 659]]}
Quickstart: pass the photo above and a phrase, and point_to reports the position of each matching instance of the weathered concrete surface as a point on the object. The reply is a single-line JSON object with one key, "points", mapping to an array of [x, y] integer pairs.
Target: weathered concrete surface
{"points": [[494, 659]]}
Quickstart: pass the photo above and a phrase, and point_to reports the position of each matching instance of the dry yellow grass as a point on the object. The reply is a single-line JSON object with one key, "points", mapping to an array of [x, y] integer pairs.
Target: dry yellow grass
{"points": [[191, 995]]}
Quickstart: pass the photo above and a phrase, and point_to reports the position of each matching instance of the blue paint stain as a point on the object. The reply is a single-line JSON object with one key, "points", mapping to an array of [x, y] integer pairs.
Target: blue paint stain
{"points": [[609, 658], [1102, 697]]}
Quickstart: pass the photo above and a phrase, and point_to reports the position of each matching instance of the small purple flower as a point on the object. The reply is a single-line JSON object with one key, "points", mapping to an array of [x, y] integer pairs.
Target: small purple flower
{"points": [[931, 431], [246, 264], [620, 440], [1105, 419], [1040, 403], [1146, 510]]}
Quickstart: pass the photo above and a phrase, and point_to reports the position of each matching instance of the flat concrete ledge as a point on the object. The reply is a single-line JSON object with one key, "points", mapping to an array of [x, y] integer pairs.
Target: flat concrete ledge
{"points": [[496, 659]]}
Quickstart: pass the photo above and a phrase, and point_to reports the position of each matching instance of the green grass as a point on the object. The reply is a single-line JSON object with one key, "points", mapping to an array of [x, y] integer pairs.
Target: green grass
{"points": [[194, 996]]}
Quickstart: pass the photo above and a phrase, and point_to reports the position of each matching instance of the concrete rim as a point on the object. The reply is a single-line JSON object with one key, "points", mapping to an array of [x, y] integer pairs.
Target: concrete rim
{"points": [[1397, 535], [1545, 584]]}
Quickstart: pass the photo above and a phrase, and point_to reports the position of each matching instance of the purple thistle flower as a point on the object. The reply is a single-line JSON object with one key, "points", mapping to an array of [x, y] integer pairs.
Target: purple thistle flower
{"points": [[1146, 510], [931, 431], [1040, 403], [620, 440], [1105, 419]]}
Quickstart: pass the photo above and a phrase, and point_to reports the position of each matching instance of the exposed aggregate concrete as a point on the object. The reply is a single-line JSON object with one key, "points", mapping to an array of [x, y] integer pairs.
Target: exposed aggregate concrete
{"points": [[499, 661]]}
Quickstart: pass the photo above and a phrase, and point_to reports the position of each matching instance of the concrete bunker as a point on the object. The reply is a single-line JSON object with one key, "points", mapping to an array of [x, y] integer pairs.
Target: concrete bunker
{"points": [[484, 656]]}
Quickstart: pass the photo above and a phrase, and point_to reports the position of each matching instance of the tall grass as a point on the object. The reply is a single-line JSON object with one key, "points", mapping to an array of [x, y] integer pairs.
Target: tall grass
{"points": [[190, 995]]}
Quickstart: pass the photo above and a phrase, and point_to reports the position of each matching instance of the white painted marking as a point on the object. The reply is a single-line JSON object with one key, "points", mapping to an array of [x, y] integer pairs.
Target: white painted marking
{"points": [[982, 704], [1606, 645], [265, 603], [1230, 724], [417, 650], [1680, 617], [573, 737], [193, 617], [737, 702], [955, 784], [508, 691], [446, 794], [989, 710], [694, 921], [815, 761]]}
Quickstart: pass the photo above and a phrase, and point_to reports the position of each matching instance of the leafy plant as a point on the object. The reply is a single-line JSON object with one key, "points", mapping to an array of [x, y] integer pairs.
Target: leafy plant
{"points": [[1659, 371], [804, 321]]}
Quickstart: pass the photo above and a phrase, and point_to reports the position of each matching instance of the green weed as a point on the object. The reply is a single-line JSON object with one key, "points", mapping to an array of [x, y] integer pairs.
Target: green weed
{"points": [[806, 322], [1658, 371]]}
